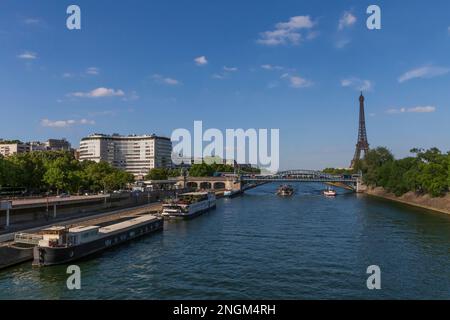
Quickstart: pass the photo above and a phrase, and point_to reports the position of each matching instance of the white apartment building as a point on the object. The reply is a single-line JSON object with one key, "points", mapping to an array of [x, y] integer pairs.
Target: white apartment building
{"points": [[134, 154]]}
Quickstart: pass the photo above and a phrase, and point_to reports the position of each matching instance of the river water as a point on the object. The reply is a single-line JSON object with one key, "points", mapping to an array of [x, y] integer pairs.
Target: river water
{"points": [[260, 246]]}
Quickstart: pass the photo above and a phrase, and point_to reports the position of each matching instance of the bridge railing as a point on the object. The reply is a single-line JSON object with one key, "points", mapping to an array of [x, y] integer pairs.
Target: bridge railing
{"points": [[302, 175]]}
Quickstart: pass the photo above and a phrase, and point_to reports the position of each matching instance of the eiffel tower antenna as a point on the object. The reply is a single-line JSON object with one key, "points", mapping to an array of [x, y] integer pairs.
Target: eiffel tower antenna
{"points": [[363, 143]]}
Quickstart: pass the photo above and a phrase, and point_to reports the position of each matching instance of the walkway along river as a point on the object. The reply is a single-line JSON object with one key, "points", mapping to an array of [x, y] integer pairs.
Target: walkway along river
{"points": [[263, 246]]}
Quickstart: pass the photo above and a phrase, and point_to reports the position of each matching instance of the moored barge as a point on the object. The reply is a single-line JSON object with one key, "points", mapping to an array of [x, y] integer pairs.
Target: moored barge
{"points": [[61, 245]]}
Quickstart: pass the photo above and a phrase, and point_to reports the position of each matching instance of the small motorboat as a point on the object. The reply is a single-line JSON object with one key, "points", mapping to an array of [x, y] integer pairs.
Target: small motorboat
{"points": [[329, 192], [285, 191], [231, 193]]}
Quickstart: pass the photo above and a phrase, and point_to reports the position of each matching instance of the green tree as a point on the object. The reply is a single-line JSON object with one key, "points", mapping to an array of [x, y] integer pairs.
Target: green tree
{"points": [[157, 174], [335, 171], [94, 174], [61, 174], [426, 172], [372, 165], [448, 170], [8, 173], [201, 170]]}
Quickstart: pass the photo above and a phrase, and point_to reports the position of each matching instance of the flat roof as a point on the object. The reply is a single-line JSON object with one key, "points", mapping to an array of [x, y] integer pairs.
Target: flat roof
{"points": [[128, 223], [83, 228], [123, 137], [194, 193], [149, 182], [54, 228]]}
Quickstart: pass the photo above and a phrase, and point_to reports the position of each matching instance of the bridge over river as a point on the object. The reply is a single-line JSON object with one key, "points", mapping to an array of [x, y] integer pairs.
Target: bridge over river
{"points": [[240, 182]]}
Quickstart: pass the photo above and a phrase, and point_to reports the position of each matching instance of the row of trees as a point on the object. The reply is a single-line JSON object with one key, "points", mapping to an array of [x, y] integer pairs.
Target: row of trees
{"points": [[426, 172], [338, 171], [197, 170], [59, 171]]}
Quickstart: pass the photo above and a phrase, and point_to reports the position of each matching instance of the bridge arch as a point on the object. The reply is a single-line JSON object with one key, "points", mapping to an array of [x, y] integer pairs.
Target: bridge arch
{"points": [[205, 185], [192, 185], [219, 185]]}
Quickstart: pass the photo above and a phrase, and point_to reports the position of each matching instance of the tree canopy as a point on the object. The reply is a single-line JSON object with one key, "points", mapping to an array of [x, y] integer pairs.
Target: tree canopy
{"points": [[196, 170], [427, 172], [59, 170]]}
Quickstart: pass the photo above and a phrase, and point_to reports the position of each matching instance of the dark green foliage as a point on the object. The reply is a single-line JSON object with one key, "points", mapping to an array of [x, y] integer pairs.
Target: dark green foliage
{"points": [[428, 172], [163, 173], [59, 170], [337, 172], [197, 170]]}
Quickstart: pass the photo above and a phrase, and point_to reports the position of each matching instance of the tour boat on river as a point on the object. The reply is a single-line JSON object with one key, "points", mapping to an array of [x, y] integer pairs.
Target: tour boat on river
{"points": [[189, 205], [285, 191]]}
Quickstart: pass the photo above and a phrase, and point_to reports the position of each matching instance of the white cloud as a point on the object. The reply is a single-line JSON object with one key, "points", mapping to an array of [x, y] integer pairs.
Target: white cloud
{"points": [[132, 96], [86, 121], [299, 82], [296, 81], [171, 81], [67, 75], [65, 123], [295, 23], [426, 109], [286, 32], [165, 80], [103, 113], [99, 93], [27, 55], [271, 67], [225, 74], [219, 76], [201, 61], [423, 72], [347, 19], [93, 71], [230, 69], [32, 21], [419, 109], [342, 42], [357, 84]]}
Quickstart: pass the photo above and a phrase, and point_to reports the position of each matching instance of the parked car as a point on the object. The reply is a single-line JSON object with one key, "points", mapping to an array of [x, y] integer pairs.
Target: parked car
{"points": [[64, 195]]}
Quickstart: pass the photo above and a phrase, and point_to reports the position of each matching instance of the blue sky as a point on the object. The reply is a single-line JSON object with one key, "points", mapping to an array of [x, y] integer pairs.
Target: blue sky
{"points": [[293, 65]]}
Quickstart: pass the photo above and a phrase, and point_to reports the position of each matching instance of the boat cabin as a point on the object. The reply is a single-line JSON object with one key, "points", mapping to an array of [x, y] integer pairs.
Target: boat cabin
{"points": [[79, 235], [53, 236]]}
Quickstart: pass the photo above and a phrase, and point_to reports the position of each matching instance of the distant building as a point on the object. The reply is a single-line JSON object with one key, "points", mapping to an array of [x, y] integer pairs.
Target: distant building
{"points": [[9, 148], [187, 162], [134, 154], [36, 146], [58, 145]]}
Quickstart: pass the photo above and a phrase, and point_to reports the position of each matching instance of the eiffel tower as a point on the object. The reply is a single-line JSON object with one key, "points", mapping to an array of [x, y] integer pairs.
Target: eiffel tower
{"points": [[362, 144]]}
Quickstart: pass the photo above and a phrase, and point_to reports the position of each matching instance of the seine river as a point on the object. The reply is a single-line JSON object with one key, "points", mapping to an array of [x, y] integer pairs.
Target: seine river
{"points": [[260, 246]]}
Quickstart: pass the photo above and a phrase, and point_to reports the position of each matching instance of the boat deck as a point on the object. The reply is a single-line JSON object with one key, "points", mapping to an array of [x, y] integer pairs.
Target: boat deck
{"points": [[127, 224]]}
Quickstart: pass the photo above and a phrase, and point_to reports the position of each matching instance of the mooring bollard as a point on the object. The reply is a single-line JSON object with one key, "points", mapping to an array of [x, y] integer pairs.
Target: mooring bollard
{"points": [[6, 205]]}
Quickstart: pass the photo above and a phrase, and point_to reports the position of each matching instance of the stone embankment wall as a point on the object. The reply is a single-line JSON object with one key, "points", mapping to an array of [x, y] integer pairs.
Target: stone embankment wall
{"points": [[441, 204], [117, 201]]}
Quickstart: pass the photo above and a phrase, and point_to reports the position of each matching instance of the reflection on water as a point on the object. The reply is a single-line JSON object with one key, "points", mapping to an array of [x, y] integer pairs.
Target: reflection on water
{"points": [[264, 246]]}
